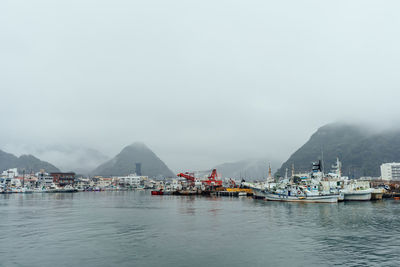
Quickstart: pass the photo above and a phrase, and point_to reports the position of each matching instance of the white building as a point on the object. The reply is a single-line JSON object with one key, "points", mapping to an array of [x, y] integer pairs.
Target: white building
{"points": [[131, 179], [10, 173], [390, 171]]}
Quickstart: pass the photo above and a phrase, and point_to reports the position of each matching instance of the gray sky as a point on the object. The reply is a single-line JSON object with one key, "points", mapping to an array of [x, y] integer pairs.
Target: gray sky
{"points": [[200, 82]]}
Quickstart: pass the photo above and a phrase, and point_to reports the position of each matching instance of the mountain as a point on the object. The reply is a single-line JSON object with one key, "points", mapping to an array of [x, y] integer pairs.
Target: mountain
{"points": [[124, 163], [27, 162], [80, 159], [360, 150], [249, 169]]}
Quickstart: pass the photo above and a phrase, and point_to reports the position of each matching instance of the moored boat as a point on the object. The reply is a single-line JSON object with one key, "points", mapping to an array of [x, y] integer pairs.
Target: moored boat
{"points": [[257, 193], [299, 198], [357, 195], [377, 193], [5, 190], [301, 189], [40, 190]]}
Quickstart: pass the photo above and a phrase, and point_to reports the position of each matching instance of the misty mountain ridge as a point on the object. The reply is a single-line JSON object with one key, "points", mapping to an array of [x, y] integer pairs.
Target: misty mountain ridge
{"points": [[80, 159], [124, 163], [248, 169], [67, 157], [28, 162], [360, 149]]}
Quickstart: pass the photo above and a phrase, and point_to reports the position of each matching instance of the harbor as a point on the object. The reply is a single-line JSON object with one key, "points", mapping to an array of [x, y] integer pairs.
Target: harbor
{"points": [[312, 187], [199, 133]]}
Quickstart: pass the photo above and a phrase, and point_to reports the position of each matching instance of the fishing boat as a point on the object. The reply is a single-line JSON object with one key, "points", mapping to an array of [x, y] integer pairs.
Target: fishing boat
{"points": [[301, 189], [358, 194], [377, 193], [5, 190], [42, 189], [349, 189], [304, 191], [67, 189], [356, 190], [258, 192], [26, 190], [187, 192], [157, 192], [256, 189], [302, 198], [259, 187]]}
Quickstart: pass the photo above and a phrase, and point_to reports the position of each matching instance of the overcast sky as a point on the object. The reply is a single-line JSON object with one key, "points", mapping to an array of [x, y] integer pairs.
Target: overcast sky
{"points": [[200, 82]]}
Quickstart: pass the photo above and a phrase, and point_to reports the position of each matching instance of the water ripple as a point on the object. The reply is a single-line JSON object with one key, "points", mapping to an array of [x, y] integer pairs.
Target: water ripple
{"points": [[135, 229]]}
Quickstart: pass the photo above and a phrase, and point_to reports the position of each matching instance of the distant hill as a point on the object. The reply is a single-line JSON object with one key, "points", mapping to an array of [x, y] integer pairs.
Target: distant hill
{"points": [[360, 150], [80, 159], [27, 162], [249, 169], [124, 163]]}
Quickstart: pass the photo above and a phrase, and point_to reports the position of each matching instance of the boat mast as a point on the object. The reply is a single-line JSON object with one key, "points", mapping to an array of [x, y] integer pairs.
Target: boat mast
{"points": [[269, 171], [292, 170], [322, 161], [339, 167]]}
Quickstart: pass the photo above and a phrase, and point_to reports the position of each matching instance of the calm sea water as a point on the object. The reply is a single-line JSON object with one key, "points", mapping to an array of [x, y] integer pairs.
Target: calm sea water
{"points": [[137, 229]]}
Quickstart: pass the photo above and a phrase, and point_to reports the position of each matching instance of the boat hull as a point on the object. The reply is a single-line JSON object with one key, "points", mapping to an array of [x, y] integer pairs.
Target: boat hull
{"points": [[258, 194], [376, 196], [305, 199], [357, 196]]}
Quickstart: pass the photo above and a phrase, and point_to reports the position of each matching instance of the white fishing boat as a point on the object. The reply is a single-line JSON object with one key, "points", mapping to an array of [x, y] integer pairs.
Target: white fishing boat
{"points": [[349, 189], [42, 189], [26, 190], [302, 198], [23, 190], [257, 189], [357, 194], [301, 189], [356, 190]]}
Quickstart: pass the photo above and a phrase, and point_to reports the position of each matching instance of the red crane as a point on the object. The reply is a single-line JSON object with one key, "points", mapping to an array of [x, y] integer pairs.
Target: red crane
{"points": [[211, 180], [189, 176]]}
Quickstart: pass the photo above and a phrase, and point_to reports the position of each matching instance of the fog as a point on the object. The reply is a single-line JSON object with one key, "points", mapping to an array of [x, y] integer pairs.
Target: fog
{"points": [[200, 82]]}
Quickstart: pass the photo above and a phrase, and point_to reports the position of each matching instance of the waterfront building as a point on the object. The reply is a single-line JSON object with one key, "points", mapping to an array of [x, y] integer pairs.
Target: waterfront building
{"points": [[44, 179], [131, 179], [10, 173], [82, 183], [30, 181], [369, 178], [104, 182], [390, 171], [63, 178]]}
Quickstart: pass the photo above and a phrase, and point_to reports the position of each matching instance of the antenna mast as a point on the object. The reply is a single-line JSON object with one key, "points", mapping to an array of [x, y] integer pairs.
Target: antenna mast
{"points": [[292, 170], [322, 160]]}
